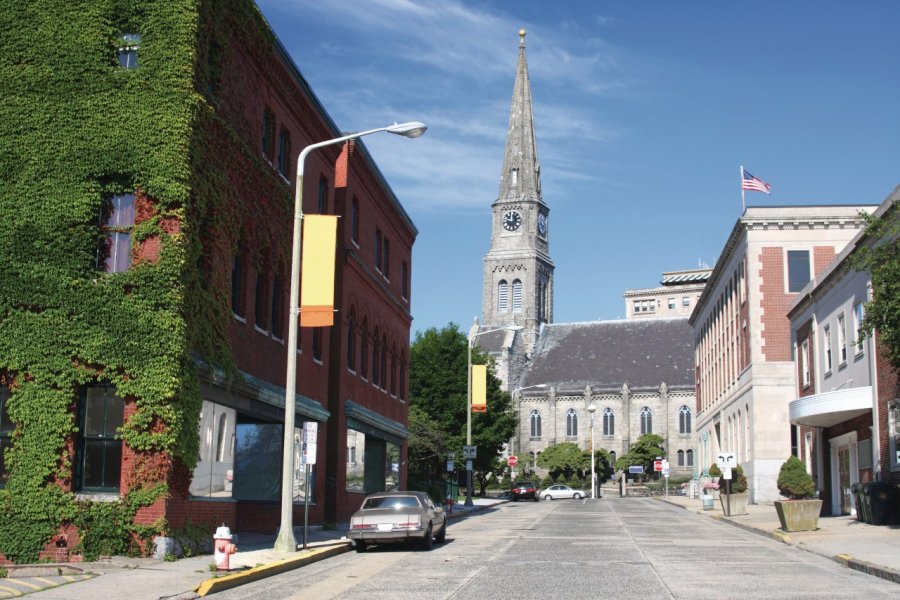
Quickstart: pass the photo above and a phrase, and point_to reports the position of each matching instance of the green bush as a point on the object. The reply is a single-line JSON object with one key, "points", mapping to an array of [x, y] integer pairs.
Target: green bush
{"points": [[715, 471], [738, 480], [793, 480]]}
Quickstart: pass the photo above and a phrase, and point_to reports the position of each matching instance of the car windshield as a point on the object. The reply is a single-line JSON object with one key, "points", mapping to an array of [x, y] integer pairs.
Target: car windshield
{"points": [[391, 502]]}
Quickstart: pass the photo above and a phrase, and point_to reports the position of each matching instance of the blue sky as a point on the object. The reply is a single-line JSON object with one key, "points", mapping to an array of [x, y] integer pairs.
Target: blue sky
{"points": [[644, 112]]}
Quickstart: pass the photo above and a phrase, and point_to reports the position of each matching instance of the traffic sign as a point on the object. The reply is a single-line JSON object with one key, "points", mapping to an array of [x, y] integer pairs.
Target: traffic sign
{"points": [[657, 465], [726, 459], [470, 451], [636, 469], [512, 460]]}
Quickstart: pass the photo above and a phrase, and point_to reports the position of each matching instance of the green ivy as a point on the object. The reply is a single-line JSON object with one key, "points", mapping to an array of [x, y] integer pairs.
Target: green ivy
{"points": [[74, 129]]}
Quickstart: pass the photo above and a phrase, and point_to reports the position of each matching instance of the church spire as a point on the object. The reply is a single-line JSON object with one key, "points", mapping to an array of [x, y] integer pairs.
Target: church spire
{"points": [[521, 175]]}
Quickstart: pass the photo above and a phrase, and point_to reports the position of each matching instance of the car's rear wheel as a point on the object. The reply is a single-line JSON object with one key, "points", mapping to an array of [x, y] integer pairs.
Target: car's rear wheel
{"points": [[548, 497], [428, 540], [442, 534], [576, 496], [360, 546]]}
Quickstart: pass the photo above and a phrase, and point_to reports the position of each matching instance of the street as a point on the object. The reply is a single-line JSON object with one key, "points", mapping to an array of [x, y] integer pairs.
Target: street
{"points": [[610, 548]]}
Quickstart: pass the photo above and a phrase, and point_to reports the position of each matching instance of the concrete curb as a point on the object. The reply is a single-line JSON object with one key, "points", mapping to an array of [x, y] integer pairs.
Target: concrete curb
{"points": [[218, 584]]}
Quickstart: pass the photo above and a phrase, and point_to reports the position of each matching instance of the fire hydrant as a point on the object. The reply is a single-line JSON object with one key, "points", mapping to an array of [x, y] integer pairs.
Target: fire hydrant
{"points": [[224, 548]]}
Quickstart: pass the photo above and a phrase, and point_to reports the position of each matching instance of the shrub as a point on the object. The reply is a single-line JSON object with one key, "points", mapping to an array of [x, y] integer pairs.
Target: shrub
{"points": [[738, 480], [793, 480], [715, 471]]}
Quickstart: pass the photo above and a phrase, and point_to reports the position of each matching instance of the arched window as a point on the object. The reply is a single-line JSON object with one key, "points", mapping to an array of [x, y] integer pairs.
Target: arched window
{"points": [[684, 420], [690, 458], [401, 385], [394, 370], [681, 458], [502, 296], [612, 459], [384, 362], [609, 422], [517, 295], [571, 423], [646, 421], [535, 424], [376, 359], [351, 342], [364, 350]]}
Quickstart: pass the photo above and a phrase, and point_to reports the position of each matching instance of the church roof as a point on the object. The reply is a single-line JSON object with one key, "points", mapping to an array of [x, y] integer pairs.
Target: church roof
{"points": [[641, 353], [521, 149]]}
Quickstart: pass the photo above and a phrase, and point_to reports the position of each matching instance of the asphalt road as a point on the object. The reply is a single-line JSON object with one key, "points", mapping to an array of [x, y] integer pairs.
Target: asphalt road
{"points": [[567, 549]]}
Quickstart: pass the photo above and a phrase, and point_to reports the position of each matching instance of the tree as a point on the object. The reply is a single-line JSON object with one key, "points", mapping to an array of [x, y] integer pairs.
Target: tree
{"points": [[437, 391], [564, 459], [881, 258], [643, 452]]}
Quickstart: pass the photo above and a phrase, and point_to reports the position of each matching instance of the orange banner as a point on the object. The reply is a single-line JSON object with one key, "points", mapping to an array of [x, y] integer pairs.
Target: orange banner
{"points": [[479, 388], [317, 271]]}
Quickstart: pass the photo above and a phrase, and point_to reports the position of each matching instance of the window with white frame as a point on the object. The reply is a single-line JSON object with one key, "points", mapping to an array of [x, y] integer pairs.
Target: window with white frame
{"points": [[571, 423], [502, 296], [842, 338], [118, 225], [609, 422], [685, 300], [517, 296], [637, 306], [826, 341], [671, 303], [798, 269], [98, 445], [128, 50], [535, 425]]}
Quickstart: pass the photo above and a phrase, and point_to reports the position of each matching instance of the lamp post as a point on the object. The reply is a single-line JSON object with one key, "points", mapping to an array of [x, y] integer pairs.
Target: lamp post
{"points": [[474, 333], [286, 541], [592, 409]]}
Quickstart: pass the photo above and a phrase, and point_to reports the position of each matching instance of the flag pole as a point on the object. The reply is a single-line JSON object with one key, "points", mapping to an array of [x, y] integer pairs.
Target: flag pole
{"points": [[743, 200]]}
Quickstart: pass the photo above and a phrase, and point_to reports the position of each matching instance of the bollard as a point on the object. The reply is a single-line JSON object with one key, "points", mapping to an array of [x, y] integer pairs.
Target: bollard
{"points": [[223, 548]]}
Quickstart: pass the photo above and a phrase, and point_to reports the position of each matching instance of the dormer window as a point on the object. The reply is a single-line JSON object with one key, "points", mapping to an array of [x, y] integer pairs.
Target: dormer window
{"points": [[513, 177], [128, 50]]}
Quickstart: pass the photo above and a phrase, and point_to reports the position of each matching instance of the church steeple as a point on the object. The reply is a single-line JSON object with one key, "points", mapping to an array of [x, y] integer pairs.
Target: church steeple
{"points": [[521, 175], [518, 272]]}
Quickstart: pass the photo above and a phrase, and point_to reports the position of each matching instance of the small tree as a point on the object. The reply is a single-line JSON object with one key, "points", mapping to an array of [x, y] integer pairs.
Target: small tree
{"points": [[793, 480], [715, 471], [643, 452], [564, 459]]}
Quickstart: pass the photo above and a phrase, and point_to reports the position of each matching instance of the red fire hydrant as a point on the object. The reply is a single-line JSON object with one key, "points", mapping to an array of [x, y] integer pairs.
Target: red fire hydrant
{"points": [[224, 548]]}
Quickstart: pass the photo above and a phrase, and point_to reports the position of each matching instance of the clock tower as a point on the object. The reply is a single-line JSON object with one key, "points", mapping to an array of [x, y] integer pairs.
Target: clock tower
{"points": [[518, 272]]}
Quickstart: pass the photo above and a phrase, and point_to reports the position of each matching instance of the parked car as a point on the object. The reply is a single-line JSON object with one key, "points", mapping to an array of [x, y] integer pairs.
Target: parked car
{"points": [[393, 517], [559, 491], [524, 490]]}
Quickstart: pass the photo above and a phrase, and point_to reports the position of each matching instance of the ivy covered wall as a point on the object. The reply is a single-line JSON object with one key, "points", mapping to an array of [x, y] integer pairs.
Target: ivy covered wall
{"points": [[76, 128]]}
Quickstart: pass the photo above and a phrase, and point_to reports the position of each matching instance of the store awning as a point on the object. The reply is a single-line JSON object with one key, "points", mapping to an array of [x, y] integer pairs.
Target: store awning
{"points": [[830, 408]]}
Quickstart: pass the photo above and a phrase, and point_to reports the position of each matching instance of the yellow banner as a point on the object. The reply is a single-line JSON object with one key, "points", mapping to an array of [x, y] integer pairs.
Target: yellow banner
{"points": [[479, 388], [317, 271]]}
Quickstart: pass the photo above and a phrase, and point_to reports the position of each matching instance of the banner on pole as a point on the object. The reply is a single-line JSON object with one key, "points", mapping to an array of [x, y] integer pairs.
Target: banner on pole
{"points": [[479, 388], [317, 274]]}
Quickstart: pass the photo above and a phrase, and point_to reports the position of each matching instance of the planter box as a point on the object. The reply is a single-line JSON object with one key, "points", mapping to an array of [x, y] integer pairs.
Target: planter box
{"points": [[738, 503], [798, 515]]}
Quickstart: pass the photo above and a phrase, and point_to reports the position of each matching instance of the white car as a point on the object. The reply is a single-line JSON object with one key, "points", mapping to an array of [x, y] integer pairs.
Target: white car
{"points": [[392, 517], [556, 492]]}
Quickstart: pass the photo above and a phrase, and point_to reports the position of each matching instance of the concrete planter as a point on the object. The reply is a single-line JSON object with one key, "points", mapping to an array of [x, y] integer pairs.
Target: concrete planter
{"points": [[737, 502], [798, 515]]}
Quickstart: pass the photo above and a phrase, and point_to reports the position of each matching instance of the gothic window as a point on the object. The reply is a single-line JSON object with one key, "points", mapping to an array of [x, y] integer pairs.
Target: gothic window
{"points": [[364, 350], [680, 458], [646, 421], [571, 423], [689, 456], [535, 425], [612, 459], [351, 342], [376, 361], [393, 370], [684, 420], [609, 422], [502, 296], [384, 361], [517, 295]]}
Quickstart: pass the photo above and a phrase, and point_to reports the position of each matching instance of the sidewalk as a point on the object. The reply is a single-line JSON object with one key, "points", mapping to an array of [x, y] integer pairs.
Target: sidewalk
{"points": [[873, 549], [190, 578]]}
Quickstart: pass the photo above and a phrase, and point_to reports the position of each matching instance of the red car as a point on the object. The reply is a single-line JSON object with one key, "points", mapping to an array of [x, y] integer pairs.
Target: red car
{"points": [[525, 490]]}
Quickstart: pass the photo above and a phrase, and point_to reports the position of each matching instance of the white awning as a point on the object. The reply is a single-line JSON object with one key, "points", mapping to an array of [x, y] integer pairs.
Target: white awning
{"points": [[830, 408]]}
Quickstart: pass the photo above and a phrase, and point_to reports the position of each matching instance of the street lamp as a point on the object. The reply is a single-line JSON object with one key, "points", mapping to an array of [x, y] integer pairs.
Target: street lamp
{"points": [[474, 333], [592, 409], [286, 541]]}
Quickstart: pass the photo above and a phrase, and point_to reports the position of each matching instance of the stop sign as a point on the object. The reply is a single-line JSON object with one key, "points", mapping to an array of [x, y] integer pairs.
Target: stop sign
{"points": [[657, 465], [512, 461]]}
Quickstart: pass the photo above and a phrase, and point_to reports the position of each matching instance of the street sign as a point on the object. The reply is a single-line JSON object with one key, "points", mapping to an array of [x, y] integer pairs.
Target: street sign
{"points": [[449, 466], [468, 465], [469, 451], [726, 473], [512, 461], [636, 469], [726, 459], [665, 472], [657, 465]]}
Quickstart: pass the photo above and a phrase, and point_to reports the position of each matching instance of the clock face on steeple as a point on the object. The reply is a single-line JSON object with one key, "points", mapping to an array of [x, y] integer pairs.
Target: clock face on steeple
{"points": [[542, 225], [512, 220]]}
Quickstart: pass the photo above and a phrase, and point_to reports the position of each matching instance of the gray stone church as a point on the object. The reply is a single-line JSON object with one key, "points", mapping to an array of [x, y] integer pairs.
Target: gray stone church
{"points": [[639, 374]]}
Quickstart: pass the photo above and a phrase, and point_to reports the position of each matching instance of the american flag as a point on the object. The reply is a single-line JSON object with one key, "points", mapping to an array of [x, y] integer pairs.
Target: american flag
{"points": [[749, 182]]}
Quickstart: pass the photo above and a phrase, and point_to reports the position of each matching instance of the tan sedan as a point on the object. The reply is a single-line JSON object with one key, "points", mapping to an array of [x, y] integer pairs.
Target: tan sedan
{"points": [[393, 517]]}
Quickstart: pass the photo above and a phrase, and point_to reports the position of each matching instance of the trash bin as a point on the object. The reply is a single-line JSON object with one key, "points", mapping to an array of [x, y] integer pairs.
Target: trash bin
{"points": [[881, 497]]}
